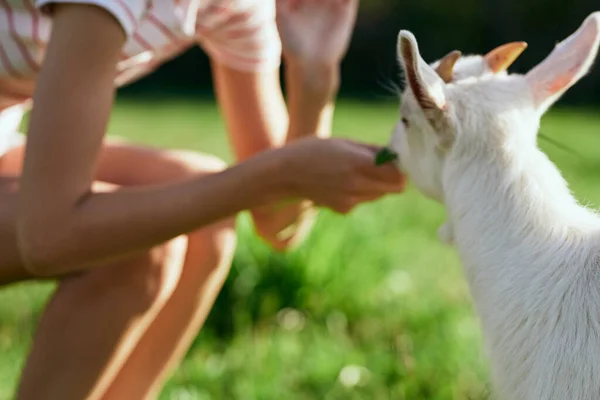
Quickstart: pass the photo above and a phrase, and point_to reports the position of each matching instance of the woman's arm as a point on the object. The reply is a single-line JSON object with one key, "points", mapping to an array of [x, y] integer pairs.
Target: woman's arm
{"points": [[62, 224], [257, 120], [255, 112], [311, 93], [314, 38], [245, 56], [253, 108]]}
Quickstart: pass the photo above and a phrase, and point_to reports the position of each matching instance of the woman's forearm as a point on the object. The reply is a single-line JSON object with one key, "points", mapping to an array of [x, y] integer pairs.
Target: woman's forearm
{"points": [[311, 92], [257, 120], [111, 224], [254, 110]]}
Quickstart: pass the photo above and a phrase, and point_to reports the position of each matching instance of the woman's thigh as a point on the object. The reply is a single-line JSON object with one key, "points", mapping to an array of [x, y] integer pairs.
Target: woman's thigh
{"points": [[128, 164]]}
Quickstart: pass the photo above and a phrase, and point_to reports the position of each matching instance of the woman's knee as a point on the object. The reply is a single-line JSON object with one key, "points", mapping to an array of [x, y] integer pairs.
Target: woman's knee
{"points": [[191, 264], [210, 250], [140, 282], [150, 278], [157, 272]]}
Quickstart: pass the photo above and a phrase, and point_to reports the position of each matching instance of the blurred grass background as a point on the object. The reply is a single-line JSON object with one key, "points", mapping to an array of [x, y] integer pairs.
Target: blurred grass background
{"points": [[372, 306]]}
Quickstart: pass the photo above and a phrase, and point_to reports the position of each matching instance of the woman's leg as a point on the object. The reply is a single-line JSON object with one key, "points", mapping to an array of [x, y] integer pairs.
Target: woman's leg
{"points": [[171, 333], [93, 322], [207, 261], [114, 332]]}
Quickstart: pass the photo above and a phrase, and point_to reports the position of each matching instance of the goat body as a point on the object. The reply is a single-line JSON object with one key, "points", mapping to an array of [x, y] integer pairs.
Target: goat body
{"points": [[530, 252]]}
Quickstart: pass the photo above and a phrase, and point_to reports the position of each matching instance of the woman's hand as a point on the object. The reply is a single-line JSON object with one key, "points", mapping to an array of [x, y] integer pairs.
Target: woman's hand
{"points": [[337, 173], [315, 35], [334, 173], [316, 32]]}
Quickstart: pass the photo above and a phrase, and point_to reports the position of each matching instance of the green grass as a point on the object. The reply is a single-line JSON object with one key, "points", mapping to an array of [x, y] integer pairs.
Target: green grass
{"points": [[372, 306]]}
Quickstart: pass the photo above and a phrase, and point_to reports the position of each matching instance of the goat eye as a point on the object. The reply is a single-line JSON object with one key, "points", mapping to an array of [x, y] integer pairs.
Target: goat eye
{"points": [[405, 122]]}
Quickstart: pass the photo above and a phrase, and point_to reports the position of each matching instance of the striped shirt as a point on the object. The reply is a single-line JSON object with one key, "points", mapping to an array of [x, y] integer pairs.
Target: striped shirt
{"points": [[239, 33]]}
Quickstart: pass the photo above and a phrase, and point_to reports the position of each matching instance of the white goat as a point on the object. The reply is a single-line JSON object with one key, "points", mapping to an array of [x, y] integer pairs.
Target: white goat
{"points": [[530, 252]]}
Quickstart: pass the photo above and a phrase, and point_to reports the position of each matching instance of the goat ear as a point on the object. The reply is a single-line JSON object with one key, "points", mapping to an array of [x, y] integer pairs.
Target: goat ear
{"points": [[570, 60], [423, 81]]}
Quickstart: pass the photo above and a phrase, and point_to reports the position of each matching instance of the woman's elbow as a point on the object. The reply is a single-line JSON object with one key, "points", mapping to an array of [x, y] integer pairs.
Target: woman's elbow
{"points": [[42, 244]]}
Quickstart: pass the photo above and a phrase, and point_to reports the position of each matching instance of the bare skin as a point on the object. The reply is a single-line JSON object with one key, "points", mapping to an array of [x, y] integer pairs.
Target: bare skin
{"points": [[141, 239]]}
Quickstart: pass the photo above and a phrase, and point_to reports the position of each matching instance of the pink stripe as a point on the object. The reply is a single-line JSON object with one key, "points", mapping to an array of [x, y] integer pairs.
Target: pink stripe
{"points": [[128, 12], [233, 21], [142, 41], [8, 66], [239, 18], [218, 9], [35, 22], [169, 51], [228, 54], [163, 28], [155, 62], [232, 18], [13, 32], [201, 30], [242, 32]]}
